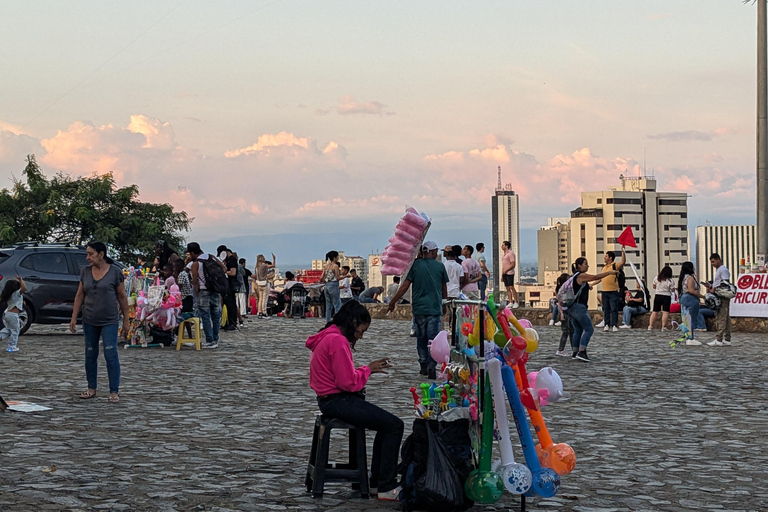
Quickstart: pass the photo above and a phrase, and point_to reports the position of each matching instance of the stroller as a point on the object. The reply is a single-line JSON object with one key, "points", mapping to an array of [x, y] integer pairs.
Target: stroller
{"points": [[296, 298]]}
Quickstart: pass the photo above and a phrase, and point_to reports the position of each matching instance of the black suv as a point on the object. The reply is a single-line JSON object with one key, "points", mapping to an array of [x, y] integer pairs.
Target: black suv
{"points": [[52, 275]]}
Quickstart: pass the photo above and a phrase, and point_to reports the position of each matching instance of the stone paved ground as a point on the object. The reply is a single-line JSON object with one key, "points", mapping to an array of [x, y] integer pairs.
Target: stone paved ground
{"points": [[230, 429]]}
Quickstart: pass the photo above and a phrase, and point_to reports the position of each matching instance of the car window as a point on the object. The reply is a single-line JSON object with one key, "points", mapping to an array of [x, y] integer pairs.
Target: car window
{"points": [[50, 262], [80, 261], [4, 256]]}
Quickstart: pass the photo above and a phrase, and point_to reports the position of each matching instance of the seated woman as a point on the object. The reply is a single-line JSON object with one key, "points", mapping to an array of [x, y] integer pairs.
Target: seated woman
{"points": [[340, 392]]}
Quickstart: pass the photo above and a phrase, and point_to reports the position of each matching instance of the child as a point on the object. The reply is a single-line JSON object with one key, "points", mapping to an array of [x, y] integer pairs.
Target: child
{"points": [[12, 295], [566, 326]]}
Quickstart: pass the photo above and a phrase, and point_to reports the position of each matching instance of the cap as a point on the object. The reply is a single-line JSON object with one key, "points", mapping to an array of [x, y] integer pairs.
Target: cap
{"points": [[429, 245], [448, 248]]}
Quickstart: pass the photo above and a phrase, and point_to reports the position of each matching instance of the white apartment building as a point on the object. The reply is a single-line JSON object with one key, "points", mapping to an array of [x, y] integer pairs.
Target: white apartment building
{"points": [[554, 247], [732, 243], [659, 222], [505, 208]]}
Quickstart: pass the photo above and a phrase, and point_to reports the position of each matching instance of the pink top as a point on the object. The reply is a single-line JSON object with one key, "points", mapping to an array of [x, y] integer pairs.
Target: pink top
{"points": [[506, 260], [331, 366]]}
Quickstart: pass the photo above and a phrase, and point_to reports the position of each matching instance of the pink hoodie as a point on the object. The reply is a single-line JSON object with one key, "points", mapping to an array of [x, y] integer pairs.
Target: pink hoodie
{"points": [[331, 367]]}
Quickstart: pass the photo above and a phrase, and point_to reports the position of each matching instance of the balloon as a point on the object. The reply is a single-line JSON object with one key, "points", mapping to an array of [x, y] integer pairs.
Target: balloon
{"points": [[439, 348], [474, 337], [532, 337], [484, 485], [517, 478], [547, 384], [546, 482], [525, 323]]}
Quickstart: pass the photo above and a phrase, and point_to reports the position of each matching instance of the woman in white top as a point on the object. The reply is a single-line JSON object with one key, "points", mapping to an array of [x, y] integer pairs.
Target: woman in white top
{"points": [[688, 287], [331, 276], [662, 300]]}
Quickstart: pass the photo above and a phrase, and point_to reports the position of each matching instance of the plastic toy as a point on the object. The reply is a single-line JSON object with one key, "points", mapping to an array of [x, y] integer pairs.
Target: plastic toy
{"points": [[525, 323], [546, 386], [516, 477], [484, 485], [546, 482], [439, 348], [467, 328]]}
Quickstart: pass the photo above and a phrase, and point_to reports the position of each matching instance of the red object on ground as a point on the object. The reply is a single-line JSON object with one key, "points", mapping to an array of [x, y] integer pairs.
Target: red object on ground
{"points": [[253, 305], [626, 238]]}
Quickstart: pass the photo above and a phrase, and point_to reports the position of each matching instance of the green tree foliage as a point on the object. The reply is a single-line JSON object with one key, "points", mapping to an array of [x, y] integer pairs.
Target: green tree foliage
{"points": [[65, 209]]}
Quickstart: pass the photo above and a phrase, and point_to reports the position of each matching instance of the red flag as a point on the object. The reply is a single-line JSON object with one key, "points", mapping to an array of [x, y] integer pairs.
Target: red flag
{"points": [[626, 238]]}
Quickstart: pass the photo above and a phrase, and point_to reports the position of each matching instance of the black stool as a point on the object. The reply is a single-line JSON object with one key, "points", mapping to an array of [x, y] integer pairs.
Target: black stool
{"points": [[318, 469]]}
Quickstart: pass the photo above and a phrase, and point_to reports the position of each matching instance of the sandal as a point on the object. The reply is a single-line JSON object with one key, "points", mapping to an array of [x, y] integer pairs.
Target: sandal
{"points": [[85, 395], [113, 399]]}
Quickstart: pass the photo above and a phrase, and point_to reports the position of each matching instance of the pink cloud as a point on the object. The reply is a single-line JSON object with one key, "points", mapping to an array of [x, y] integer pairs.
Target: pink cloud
{"points": [[348, 106]]}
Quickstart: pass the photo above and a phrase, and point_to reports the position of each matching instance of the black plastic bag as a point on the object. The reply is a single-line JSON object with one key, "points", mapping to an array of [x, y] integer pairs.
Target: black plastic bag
{"points": [[436, 460]]}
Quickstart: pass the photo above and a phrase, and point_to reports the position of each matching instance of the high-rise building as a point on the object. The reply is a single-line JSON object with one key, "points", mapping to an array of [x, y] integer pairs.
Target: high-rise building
{"points": [[732, 243], [659, 222], [505, 210], [553, 242]]}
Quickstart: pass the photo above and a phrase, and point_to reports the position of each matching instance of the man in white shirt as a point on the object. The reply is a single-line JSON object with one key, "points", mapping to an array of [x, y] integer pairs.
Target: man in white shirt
{"points": [[345, 290], [455, 273], [723, 315]]}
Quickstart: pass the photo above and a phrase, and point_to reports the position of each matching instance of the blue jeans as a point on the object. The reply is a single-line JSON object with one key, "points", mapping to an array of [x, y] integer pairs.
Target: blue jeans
{"points": [[555, 310], [108, 333], [427, 327], [689, 310], [482, 285], [332, 299], [632, 310], [209, 311], [353, 409], [703, 312], [582, 326], [611, 308]]}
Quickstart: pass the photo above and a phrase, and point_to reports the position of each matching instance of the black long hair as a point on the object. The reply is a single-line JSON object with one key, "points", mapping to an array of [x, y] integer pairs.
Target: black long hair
{"points": [[10, 286], [577, 264], [349, 318], [100, 247], [685, 270]]}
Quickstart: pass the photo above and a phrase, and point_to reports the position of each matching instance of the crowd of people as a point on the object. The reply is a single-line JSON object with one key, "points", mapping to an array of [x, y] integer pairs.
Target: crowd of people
{"points": [[687, 296]]}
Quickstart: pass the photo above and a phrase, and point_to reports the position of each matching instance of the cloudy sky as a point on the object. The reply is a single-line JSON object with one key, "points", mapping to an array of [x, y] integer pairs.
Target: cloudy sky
{"points": [[289, 117]]}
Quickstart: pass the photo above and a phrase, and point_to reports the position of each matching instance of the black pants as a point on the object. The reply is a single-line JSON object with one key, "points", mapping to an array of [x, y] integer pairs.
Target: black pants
{"points": [[353, 409], [231, 302], [567, 330]]}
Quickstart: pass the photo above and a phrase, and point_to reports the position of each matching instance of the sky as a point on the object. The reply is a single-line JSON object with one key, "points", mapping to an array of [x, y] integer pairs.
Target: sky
{"points": [[269, 120]]}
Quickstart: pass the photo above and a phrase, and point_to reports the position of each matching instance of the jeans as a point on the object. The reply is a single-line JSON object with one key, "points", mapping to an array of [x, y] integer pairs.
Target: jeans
{"points": [[332, 299], [209, 311], [108, 333], [482, 285], [356, 411], [554, 309], [704, 312], [367, 301], [566, 328], [427, 327], [689, 306], [632, 310], [11, 328], [582, 326], [611, 308]]}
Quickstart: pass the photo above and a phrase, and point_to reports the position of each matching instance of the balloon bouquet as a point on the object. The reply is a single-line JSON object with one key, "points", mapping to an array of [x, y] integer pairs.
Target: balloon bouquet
{"points": [[509, 342]]}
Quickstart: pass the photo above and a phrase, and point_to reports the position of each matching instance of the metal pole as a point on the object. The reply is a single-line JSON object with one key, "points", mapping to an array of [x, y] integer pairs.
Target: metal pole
{"points": [[762, 131]]}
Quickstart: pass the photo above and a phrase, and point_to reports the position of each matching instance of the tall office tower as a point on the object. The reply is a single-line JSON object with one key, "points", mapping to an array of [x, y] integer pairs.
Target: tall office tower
{"points": [[659, 221], [505, 208], [732, 243], [554, 248]]}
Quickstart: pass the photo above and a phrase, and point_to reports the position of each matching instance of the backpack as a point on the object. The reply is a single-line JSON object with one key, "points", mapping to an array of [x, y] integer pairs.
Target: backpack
{"points": [[566, 295], [726, 290], [215, 277], [621, 278]]}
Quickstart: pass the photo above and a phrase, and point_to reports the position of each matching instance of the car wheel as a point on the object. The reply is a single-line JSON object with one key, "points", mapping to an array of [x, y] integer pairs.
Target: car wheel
{"points": [[25, 318]]}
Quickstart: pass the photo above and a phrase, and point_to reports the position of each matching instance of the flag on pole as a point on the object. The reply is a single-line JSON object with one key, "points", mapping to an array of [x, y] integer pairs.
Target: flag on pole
{"points": [[627, 238]]}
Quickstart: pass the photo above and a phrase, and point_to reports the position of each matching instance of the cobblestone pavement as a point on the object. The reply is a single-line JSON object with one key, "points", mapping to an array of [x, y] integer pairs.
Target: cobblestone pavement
{"points": [[230, 429]]}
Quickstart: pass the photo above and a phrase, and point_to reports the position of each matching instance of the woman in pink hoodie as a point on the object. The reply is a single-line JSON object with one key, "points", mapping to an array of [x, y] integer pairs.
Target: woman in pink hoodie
{"points": [[340, 392]]}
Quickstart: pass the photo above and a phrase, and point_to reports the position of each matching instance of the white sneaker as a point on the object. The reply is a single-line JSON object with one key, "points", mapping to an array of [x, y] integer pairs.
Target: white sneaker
{"points": [[515, 305], [726, 343], [558, 324], [615, 329], [13, 349], [624, 326], [601, 324], [715, 343], [551, 322], [692, 343], [393, 495], [562, 353], [650, 328]]}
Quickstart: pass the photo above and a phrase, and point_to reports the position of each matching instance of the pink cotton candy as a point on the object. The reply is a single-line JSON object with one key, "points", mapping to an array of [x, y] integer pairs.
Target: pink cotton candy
{"points": [[409, 228], [405, 237], [415, 219]]}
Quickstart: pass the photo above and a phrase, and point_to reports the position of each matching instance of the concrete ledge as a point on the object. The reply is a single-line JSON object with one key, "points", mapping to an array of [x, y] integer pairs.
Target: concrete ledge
{"points": [[541, 317]]}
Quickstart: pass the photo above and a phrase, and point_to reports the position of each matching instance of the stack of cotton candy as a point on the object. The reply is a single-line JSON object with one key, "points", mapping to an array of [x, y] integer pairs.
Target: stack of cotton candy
{"points": [[404, 244]]}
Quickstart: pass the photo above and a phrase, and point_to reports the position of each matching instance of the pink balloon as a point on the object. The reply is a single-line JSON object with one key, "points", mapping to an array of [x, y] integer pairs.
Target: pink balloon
{"points": [[439, 348], [525, 323]]}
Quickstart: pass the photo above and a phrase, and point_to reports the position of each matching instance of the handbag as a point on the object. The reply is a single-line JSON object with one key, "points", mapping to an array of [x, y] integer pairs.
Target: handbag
{"points": [[261, 283], [726, 290]]}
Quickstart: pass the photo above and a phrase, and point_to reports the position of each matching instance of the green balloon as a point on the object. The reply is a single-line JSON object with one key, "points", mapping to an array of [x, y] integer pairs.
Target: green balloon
{"points": [[484, 486]]}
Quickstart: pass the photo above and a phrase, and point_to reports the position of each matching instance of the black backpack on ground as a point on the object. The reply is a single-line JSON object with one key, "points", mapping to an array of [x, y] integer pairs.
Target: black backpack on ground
{"points": [[215, 278]]}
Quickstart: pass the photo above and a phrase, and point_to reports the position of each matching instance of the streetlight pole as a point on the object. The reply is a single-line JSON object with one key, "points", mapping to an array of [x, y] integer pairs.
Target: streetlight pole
{"points": [[762, 131]]}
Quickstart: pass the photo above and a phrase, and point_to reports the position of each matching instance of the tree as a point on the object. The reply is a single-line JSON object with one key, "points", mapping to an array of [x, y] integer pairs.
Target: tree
{"points": [[65, 209]]}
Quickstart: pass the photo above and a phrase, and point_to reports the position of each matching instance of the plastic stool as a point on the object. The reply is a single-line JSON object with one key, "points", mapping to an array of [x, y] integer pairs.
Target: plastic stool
{"points": [[318, 469], [194, 322]]}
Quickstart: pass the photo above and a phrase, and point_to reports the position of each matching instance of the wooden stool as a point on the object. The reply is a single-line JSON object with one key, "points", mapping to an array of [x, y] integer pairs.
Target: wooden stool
{"points": [[194, 322], [320, 471]]}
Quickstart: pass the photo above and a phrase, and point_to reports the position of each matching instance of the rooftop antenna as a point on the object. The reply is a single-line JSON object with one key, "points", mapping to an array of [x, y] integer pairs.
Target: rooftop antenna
{"points": [[498, 186]]}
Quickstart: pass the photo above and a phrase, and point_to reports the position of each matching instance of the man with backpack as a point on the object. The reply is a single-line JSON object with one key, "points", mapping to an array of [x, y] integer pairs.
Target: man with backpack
{"points": [[209, 280], [612, 288]]}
